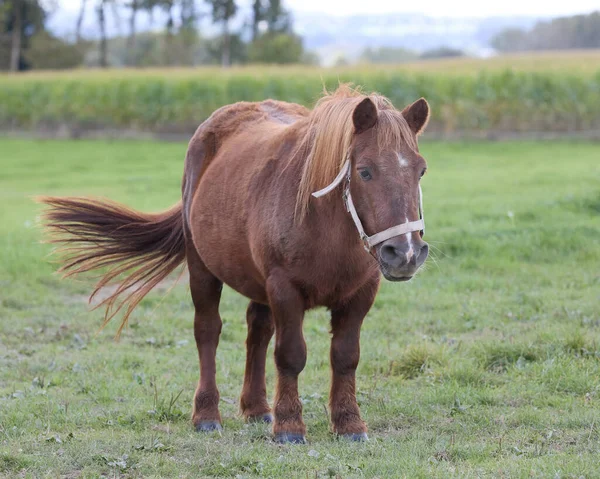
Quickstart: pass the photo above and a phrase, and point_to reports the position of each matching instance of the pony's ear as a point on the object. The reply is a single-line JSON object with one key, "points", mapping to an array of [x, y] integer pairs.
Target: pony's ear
{"points": [[364, 116], [417, 115]]}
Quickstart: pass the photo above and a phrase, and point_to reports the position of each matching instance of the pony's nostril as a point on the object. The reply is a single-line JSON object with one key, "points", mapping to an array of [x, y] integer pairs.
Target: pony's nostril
{"points": [[423, 253], [393, 256], [388, 253]]}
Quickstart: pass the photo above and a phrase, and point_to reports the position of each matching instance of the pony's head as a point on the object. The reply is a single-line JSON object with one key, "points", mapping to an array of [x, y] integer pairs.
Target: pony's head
{"points": [[386, 167]]}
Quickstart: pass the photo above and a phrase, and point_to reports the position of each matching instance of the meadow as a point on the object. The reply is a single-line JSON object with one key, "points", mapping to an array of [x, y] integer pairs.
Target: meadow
{"points": [[487, 364], [552, 92]]}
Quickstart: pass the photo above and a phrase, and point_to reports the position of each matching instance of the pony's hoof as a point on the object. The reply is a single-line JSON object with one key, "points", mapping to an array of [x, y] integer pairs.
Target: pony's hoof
{"points": [[290, 438], [266, 418], [209, 426], [356, 437]]}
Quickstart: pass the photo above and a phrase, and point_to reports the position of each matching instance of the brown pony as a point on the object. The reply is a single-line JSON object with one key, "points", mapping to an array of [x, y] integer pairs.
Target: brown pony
{"points": [[248, 219]]}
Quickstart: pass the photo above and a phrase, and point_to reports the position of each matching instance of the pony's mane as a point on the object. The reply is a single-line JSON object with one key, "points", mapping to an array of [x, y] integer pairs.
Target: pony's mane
{"points": [[329, 136]]}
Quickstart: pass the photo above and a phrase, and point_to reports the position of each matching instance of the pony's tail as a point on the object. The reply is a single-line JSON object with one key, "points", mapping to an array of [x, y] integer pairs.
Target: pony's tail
{"points": [[138, 250]]}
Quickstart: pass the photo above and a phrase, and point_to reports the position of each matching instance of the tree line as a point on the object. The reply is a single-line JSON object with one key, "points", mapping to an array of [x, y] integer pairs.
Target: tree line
{"points": [[575, 32], [266, 35]]}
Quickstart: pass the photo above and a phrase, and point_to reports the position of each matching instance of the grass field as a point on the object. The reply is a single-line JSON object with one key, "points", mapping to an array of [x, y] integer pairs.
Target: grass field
{"points": [[486, 365], [584, 62]]}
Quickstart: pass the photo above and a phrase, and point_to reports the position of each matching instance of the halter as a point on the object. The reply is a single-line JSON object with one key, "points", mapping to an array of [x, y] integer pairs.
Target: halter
{"points": [[370, 241]]}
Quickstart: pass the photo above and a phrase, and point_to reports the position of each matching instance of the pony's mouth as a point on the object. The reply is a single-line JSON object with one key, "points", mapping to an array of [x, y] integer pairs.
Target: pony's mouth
{"points": [[390, 277]]}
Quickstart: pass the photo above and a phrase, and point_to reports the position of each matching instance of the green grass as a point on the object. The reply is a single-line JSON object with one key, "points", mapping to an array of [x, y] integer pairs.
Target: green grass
{"points": [[486, 365]]}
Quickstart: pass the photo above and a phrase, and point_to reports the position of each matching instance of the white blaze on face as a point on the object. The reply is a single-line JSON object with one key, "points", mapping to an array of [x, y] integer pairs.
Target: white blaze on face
{"points": [[403, 161], [410, 253]]}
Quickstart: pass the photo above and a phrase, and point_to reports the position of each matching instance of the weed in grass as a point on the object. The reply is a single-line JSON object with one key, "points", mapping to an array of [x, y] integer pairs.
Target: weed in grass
{"points": [[498, 356], [164, 409], [11, 464], [465, 373], [417, 359]]}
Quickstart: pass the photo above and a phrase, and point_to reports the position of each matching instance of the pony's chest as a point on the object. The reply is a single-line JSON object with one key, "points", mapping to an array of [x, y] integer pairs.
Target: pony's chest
{"points": [[331, 280]]}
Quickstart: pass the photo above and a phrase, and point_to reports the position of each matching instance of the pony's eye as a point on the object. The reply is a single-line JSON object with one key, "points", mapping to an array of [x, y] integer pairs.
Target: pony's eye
{"points": [[365, 174], [423, 172]]}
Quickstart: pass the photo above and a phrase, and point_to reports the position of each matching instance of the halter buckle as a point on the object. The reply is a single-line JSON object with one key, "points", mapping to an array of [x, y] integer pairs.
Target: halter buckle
{"points": [[345, 194], [365, 241]]}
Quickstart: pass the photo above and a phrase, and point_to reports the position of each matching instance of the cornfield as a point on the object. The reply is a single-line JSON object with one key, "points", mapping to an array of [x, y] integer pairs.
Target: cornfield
{"points": [[492, 100]]}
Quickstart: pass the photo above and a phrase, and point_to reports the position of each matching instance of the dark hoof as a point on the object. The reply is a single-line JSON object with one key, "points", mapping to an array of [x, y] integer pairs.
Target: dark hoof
{"points": [[266, 418], [356, 437], [209, 426], [290, 438]]}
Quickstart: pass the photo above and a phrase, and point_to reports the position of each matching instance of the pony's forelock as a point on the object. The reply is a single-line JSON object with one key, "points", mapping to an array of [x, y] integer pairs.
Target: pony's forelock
{"points": [[330, 133]]}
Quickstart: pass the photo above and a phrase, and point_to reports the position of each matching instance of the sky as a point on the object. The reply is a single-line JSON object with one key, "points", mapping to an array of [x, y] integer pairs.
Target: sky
{"points": [[435, 8], [448, 8]]}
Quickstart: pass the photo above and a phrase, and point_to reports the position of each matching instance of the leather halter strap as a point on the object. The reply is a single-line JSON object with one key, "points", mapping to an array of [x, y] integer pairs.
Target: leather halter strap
{"points": [[370, 241]]}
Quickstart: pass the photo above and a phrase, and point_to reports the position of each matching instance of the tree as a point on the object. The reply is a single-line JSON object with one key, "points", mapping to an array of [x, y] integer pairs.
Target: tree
{"points": [[276, 48], [579, 31], [278, 19], [187, 30], [178, 40], [222, 12], [101, 14], [79, 23], [238, 50], [49, 52], [510, 40], [100, 9], [20, 20], [17, 29], [134, 6], [187, 9], [258, 15], [167, 6]]}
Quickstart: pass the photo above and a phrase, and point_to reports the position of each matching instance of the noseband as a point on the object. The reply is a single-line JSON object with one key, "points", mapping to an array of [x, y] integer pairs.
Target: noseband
{"points": [[370, 241]]}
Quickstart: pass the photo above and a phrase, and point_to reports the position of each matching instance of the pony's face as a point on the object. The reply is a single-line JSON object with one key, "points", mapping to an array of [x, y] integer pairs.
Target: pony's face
{"points": [[385, 184]]}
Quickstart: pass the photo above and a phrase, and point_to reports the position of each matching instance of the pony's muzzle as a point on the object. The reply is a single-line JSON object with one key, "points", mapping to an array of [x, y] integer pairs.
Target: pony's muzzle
{"points": [[400, 257]]}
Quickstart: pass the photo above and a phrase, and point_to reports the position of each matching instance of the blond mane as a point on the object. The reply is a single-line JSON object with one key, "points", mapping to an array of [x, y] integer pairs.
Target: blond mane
{"points": [[329, 137]]}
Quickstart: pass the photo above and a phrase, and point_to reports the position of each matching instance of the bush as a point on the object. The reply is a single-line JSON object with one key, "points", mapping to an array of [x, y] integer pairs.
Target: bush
{"points": [[47, 52]]}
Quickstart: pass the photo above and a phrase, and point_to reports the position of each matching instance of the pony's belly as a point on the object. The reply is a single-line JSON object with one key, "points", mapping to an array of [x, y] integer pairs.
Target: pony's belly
{"points": [[219, 238], [238, 275]]}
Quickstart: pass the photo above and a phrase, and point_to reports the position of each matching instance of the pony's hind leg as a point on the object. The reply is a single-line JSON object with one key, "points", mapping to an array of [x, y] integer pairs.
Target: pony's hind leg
{"points": [[346, 322], [206, 294], [253, 402], [287, 307]]}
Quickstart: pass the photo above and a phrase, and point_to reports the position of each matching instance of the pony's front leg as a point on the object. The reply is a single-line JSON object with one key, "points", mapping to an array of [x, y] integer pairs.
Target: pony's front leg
{"points": [[287, 307], [346, 322]]}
